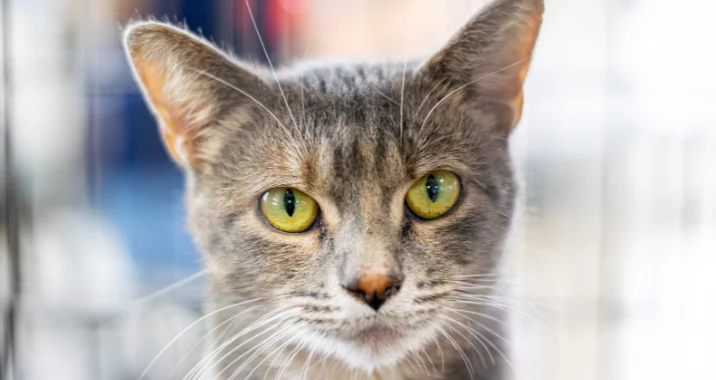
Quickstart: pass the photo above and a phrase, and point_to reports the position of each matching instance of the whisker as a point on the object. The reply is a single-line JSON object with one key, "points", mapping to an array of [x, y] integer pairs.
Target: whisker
{"points": [[481, 325], [402, 81], [307, 365], [255, 351], [204, 365], [484, 315], [290, 358], [170, 287], [417, 112], [195, 345], [457, 347], [381, 93], [481, 275], [474, 286], [323, 363], [414, 365], [202, 368], [206, 74], [402, 96], [181, 333], [246, 330], [479, 354], [304, 116], [503, 299], [503, 307], [463, 86], [471, 330], [275, 351], [424, 355], [422, 144], [263, 46], [440, 351], [303, 88]]}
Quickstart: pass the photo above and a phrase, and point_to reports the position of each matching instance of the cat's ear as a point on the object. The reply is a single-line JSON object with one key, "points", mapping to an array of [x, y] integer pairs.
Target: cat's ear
{"points": [[489, 57], [187, 82]]}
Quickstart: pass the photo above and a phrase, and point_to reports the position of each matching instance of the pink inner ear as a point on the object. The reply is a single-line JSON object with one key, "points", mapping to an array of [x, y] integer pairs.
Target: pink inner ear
{"points": [[174, 126], [517, 108], [508, 88]]}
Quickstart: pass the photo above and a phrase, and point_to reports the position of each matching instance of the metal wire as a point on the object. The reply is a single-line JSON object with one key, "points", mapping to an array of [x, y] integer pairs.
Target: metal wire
{"points": [[11, 210]]}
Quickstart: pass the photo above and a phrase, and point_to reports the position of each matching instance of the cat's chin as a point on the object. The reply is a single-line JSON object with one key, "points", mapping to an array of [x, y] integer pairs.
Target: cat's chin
{"points": [[373, 347]]}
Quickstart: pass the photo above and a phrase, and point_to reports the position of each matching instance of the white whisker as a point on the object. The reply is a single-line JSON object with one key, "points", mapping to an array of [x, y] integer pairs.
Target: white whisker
{"points": [[489, 342], [440, 351], [205, 364], [307, 365], [381, 93], [501, 306], [255, 350], [263, 46], [181, 333], [170, 287], [290, 358], [463, 86], [206, 74], [457, 348], [483, 275], [417, 112], [479, 354], [195, 345], [275, 351], [484, 315], [244, 331], [474, 286], [503, 299]]}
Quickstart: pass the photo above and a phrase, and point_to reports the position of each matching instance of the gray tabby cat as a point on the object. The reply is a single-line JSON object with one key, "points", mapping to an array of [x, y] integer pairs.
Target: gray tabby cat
{"points": [[352, 216]]}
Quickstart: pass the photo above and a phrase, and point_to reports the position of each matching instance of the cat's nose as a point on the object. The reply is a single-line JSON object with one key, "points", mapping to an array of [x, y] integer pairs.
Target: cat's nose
{"points": [[373, 289]]}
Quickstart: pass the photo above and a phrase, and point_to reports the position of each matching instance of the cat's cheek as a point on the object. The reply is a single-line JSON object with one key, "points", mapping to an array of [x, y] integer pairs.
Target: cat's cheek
{"points": [[428, 233]]}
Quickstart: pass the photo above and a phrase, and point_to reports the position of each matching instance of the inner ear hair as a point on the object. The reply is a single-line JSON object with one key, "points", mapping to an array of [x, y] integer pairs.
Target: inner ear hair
{"points": [[488, 58], [187, 82]]}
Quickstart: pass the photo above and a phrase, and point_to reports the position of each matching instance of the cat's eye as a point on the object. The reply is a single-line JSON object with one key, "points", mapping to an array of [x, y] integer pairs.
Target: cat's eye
{"points": [[434, 194], [288, 209]]}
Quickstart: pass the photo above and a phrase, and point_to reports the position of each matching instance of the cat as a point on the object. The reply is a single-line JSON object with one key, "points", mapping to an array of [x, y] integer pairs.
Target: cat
{"points": [[352, 217]]}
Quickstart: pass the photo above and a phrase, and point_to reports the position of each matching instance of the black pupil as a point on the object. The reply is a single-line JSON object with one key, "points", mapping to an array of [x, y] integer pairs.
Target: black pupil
{"points": [[432, 185], [289, 202]]}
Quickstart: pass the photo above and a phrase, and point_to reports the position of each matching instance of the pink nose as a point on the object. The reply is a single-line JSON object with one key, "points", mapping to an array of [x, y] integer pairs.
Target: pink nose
{"points": [[374, 289]]}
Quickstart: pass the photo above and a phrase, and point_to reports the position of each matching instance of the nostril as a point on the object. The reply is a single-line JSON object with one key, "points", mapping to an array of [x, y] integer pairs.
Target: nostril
{"points": [[391, 290], [374, 290]]}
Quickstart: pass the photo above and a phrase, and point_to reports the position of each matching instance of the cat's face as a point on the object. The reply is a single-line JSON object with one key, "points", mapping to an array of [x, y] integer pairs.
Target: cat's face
{"points": [[365, 278]]}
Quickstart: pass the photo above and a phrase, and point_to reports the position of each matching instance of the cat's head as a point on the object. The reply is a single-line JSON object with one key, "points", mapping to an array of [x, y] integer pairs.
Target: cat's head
{"points": [[361, 196]]}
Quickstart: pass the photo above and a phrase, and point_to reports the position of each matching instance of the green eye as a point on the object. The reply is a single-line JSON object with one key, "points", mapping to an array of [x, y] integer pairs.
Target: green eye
{"points": [[288, 209], [434, 194]]}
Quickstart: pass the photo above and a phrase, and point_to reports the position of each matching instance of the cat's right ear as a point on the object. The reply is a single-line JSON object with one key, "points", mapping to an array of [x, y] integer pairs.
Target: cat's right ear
{"points": [[187, 83], [487, 60]]}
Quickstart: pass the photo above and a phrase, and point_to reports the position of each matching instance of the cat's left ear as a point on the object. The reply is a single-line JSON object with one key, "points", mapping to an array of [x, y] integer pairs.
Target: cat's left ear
{"points": [[187, 83], [489, 57]]}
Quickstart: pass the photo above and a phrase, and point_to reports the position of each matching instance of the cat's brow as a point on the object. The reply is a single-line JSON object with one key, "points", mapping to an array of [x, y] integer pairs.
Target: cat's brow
{"points": [[425, 163], [268, 177]]}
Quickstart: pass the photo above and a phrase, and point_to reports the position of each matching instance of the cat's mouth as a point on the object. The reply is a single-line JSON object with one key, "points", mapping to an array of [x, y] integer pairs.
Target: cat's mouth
{"points": [[368, 330], [377, 342], [378, 335]]}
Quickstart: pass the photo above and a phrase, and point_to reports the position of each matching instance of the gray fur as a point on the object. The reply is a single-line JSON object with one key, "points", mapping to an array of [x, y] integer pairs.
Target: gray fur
{"points": [[339, 133]]}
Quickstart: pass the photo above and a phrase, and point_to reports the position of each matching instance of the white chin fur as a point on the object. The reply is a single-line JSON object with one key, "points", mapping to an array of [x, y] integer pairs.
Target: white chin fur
{"points": [[365, 357]]}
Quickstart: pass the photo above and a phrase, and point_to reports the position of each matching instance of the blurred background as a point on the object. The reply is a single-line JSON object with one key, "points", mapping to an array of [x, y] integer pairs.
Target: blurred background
{"points": [[615, 245]]}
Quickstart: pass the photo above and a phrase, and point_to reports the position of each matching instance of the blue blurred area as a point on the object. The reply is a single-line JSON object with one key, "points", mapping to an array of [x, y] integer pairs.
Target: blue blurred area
{"points": [[132, 181], [135, 185]]}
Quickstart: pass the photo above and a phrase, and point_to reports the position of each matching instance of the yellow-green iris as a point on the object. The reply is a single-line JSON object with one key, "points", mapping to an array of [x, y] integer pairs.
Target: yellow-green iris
{"points": [[288, 209], [434, 194]]}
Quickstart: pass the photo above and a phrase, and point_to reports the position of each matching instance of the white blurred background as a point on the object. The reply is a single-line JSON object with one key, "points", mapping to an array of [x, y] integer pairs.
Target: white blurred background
{"points": [[615, 246]]}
